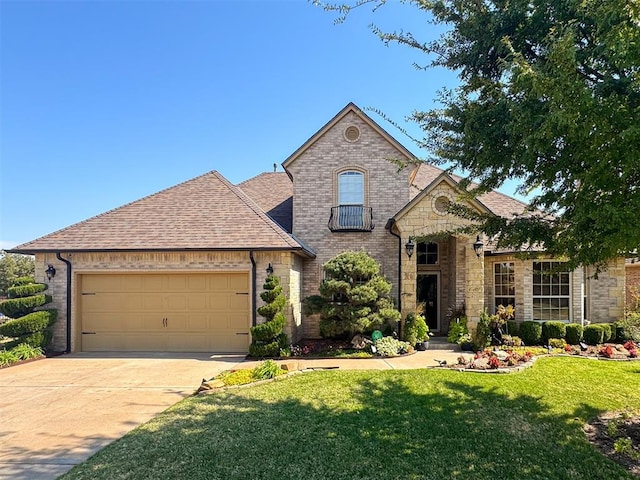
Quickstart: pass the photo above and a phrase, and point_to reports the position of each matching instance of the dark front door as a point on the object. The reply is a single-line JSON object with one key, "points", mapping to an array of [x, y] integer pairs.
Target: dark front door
{"points": [[427, 294]]}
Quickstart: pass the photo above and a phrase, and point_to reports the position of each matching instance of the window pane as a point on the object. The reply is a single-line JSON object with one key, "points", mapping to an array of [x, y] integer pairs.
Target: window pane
{"points": [[351, 188]]}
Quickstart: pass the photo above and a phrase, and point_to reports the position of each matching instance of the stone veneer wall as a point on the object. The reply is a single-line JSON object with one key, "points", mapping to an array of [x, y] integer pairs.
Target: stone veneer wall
{"points": [[284, 263], [315, 192], [606, 294]]}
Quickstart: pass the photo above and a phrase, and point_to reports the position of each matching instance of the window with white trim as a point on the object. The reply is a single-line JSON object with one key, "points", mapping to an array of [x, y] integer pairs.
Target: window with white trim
{"points": [[551, 292], [351, 199], [504, 284]]}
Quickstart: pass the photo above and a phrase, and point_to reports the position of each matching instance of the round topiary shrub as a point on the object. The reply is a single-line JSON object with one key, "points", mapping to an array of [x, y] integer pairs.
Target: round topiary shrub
{"points": [[512, 328], [593, 334], [574, 333], [268, 340], [608, 331], [30, 323], [553, 330], [531, 333]]}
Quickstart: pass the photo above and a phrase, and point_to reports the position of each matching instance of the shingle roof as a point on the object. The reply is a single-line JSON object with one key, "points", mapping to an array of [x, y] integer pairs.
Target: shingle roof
{"points": [[204, 213], [499, 203], [273, 192]]}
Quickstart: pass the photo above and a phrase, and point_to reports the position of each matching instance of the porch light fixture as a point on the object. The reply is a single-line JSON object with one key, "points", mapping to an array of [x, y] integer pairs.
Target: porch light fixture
{"points": [[410, 246], [269, 270], [478, 246], [50, 271]]}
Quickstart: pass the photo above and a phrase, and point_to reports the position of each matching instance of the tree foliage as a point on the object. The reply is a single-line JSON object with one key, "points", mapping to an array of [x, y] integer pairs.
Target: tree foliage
{"points": [[354, 298], [549, 95], [13, 266]]}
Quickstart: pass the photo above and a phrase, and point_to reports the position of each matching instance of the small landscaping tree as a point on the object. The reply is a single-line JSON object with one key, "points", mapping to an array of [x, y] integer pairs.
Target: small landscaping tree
{"points": [[27, 326], [354, 297], [268, 340]]}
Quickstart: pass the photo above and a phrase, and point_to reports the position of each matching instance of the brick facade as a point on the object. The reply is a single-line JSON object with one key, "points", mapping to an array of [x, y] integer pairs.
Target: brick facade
{"points": [[632, 271]]}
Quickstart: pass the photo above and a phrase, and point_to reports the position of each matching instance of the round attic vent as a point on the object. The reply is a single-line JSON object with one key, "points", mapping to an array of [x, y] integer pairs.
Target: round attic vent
{"points": [[352, 133], [441, 204]]}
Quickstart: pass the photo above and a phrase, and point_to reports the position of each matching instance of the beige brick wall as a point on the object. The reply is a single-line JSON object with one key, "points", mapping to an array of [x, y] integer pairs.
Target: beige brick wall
{"points": [[153, 262], [606, 294], [314, 181]]}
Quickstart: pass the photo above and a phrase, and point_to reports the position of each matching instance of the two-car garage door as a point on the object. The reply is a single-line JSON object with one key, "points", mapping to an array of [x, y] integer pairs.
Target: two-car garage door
{"points": [[165, 312]]}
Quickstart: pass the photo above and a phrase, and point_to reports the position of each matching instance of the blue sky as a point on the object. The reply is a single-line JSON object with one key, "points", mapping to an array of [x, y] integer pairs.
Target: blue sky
{"points": [[102, 103]]}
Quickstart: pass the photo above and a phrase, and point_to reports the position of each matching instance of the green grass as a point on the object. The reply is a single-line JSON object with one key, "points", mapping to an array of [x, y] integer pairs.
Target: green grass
{"points": [[411, 424]]}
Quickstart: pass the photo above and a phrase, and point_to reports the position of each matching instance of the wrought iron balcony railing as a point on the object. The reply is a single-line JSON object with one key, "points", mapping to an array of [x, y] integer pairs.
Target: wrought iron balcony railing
{"points": [[351, 218]]}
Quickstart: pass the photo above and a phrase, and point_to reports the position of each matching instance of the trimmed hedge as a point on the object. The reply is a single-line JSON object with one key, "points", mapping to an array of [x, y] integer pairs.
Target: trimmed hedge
{"points": [[23, 281], [512, 328], [608, 330], [261, 350], [554, 330], [30, 323], [26, 290], [265, 332], [531, 333], [574, 333], [17, 307], [593, 334], [38, 339]]}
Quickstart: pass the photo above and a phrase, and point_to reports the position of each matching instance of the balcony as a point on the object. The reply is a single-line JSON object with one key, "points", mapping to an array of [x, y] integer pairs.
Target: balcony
{"points": [[351, 218]]}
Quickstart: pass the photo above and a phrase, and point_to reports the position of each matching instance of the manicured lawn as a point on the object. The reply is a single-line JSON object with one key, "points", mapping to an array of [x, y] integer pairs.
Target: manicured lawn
{"points": [[412, 424]]}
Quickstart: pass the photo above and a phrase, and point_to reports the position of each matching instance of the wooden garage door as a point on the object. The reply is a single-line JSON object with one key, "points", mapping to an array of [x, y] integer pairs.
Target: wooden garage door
{"points": [[165, 312]]}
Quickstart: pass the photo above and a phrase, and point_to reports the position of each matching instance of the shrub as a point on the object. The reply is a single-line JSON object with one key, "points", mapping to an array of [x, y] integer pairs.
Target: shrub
{"points": [[17, 307], [593, 334], [557, 342], [26, 290], [553, 330], [262, 349], [267, 369], [531, 333], [415, 329], [574, 333], [37, 339], [7, 357], [25, 351], [30, 323], [239, 377], [457, 328], [23, 281], [268, 330], [512, 328], [609, 331], [482, 336], [628, 327], [390, 347]]}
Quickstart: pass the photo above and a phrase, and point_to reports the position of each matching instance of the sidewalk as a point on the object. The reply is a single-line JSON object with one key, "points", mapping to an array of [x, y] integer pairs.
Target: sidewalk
{"points": [[439, 350]]}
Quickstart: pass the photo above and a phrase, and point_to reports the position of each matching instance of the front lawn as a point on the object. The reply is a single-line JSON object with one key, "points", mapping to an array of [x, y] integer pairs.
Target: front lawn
{"points": [[410, 424]]}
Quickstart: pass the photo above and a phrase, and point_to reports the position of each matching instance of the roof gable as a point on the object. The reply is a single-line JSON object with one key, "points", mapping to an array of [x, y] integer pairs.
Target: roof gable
{"points": [[204, 213], [445, 178], [349, 108], [273, 192]]}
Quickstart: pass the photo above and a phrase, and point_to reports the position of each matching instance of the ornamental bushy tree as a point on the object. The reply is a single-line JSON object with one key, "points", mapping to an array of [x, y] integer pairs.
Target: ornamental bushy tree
{"points": [[354, 297], [27, 326], [268, 340]]}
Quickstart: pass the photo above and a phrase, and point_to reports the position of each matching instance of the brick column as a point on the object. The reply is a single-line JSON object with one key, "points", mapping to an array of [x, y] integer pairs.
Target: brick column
{"points": [[474, 282]]}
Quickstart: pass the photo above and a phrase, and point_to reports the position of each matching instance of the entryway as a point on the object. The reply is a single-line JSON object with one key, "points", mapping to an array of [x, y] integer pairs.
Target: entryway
{"points": [[428, 293]]}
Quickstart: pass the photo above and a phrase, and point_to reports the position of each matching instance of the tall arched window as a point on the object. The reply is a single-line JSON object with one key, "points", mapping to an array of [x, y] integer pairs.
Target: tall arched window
{"points": [[351, 199]]}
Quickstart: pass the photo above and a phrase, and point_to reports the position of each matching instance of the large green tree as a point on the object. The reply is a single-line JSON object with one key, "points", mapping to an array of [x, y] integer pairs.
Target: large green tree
{"points": [[549, 95]]}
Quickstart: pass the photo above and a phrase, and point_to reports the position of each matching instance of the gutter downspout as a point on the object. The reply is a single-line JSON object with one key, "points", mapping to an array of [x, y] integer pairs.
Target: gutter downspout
{"points": [[253, 288], [390, 225], [68, 349]]}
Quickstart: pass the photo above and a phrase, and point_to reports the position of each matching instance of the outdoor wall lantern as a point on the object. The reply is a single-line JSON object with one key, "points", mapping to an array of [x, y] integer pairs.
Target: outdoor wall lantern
{"points": [[410, 246], [50, 271], [269, 270], [478, 246]]}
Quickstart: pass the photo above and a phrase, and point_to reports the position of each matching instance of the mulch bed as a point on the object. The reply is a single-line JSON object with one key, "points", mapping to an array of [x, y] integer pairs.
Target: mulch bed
{"points": [[606, 429]]}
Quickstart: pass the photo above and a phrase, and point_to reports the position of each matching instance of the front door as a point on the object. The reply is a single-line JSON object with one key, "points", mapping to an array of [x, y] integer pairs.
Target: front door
{"points": [[428, 294]]}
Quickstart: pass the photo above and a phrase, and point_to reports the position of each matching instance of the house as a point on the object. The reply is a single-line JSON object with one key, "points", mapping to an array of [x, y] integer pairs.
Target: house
{"points": [[182, 270]]}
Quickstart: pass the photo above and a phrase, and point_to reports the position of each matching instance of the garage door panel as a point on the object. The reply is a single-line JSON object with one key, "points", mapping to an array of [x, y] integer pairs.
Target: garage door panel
{"points": [[165, 312]]}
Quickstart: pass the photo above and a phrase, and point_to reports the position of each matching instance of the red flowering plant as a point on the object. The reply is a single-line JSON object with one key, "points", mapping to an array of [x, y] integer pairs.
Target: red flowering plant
{"points": [[494, 362], [630, 345], [606, 351]]}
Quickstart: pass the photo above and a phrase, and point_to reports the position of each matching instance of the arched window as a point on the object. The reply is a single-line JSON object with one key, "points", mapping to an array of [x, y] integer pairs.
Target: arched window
{"points": [[351, 188]]}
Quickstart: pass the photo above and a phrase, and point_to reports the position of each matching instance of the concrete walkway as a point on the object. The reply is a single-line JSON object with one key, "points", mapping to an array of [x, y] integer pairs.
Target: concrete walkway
{"points": [[57, 412]]}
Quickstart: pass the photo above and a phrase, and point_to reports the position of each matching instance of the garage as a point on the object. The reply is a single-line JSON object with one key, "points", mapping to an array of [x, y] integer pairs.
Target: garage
{"points": [[191, 312]]}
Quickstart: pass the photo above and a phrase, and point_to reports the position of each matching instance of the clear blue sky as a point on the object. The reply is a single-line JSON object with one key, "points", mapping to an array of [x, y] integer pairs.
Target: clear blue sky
{"points": [[105, 102]]}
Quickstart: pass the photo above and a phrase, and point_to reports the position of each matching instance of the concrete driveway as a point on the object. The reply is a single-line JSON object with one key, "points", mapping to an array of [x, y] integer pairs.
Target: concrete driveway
{"points": [[56, 412]]}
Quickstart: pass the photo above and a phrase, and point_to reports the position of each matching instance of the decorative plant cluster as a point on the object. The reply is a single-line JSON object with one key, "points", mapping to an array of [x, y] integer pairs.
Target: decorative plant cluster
{"points": [[390, 347], [415, 329], [488, 359], [27, 326], [354, 298], [268, 340]]}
